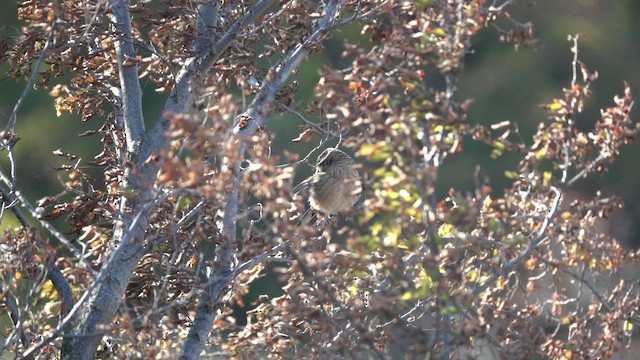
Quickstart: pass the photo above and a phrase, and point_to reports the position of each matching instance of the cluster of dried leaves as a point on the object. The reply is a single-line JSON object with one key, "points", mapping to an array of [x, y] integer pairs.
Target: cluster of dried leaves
{"points": [[517, 275]]}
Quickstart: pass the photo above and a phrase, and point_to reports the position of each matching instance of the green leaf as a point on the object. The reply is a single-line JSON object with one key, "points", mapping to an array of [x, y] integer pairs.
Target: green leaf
{"points": [[424, 3]]}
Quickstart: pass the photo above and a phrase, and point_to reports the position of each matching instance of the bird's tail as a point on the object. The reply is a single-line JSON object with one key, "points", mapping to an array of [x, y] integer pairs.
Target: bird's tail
{"points": [[307, 218]]}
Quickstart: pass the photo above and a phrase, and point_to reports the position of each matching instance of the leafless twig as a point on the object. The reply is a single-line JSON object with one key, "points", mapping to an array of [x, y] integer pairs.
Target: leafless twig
{"points": [[14, 114]]}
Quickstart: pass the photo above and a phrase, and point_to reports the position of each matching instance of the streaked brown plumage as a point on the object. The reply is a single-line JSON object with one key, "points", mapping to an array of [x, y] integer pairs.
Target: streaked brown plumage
{"points": [[334, 187]]}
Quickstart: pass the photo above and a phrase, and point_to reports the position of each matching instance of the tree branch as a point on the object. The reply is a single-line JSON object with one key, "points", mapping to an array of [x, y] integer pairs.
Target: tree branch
{"points": [[32, 79], [220, 280], [129, 230], [259, 107], [18, 322], [95, 309], [180, 96], [131, 95], [62, 286], [565, 269], [98, 304], [216, 288], [205, 25], [9, 198]]}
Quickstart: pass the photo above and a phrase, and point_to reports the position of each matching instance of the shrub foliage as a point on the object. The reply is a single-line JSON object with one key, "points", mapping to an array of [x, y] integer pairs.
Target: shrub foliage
{"points": [[190, 209]]}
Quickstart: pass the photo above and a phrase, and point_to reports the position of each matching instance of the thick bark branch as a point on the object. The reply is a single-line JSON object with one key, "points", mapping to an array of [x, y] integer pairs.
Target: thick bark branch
{"points": [[62, 286], [131, 93], [82, 325], [99, 303], [206, 24], [217, 287], [99, 310]]}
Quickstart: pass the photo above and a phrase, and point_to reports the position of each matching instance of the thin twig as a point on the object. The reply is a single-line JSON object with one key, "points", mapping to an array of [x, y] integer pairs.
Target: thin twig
{"points": [[526, 252], [580, 278], [569, 124], [304, 119], [584, 171], [14, 114], [16, 318], [309, 274], [17, 196], [268, 255]]}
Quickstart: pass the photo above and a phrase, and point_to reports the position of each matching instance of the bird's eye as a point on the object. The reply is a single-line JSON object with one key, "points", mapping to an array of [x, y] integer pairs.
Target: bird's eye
{"points": [[323, 158]]}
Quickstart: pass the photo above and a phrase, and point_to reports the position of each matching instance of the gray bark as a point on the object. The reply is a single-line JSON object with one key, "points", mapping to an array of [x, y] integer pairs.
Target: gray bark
{"points": [[98, 307]]}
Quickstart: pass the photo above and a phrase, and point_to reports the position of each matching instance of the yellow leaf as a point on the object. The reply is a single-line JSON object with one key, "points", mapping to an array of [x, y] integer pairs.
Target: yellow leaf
{"points": [[49, 291], [546, 178], [568, 355], [392, 194], [486, 204], [391, 237], [446, 230], [439, 32], [376, 228], [540, 154], [511, 174], [404, 194], [555, 106], [354, 289], [407, 296], [375, 152], [183, 204]]}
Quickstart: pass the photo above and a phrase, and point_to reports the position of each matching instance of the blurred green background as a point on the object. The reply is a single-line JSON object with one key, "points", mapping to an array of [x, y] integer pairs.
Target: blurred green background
{"points": [[505, 85]]}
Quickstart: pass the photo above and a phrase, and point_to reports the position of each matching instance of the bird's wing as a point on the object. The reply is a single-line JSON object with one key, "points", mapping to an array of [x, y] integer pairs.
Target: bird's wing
{"points": [[306, 183]]}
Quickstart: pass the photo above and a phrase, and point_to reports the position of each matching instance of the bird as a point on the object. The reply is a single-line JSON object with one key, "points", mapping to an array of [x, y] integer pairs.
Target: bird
{"points": [[333, 188]]}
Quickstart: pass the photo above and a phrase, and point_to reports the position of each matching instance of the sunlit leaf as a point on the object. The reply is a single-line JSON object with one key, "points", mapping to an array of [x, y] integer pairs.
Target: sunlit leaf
{"points": [[511, 174]]}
